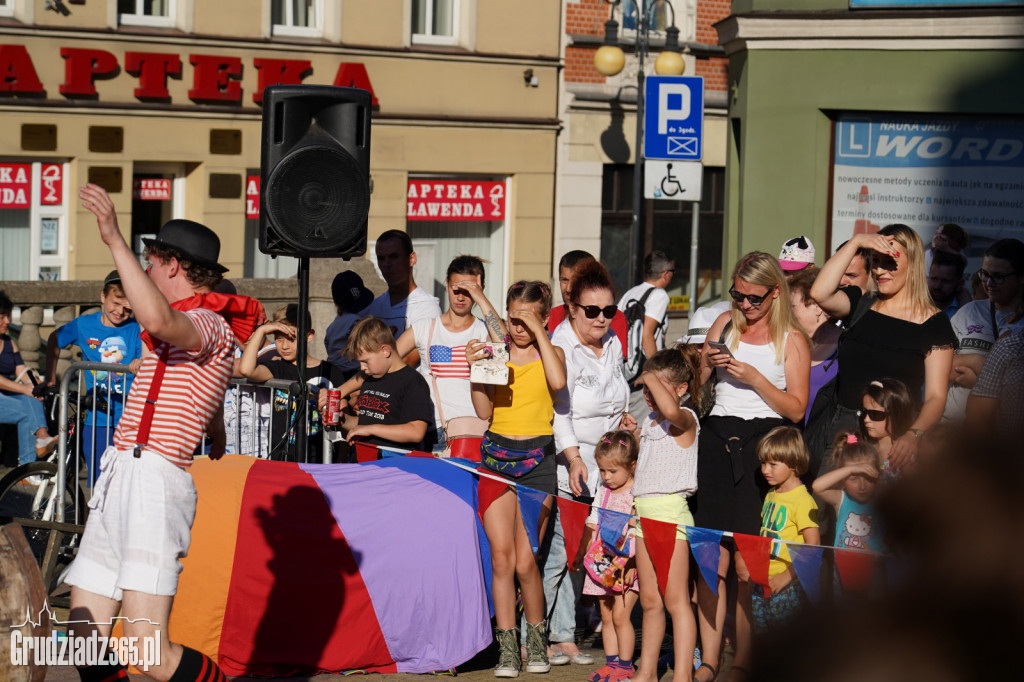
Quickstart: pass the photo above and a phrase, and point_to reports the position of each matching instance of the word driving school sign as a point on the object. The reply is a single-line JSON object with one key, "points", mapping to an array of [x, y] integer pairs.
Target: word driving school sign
{"points": [[923, 171]]}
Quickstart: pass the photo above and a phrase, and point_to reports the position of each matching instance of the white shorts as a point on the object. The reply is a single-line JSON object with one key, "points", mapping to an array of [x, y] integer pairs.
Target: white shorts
{"points": [[139, 526]]}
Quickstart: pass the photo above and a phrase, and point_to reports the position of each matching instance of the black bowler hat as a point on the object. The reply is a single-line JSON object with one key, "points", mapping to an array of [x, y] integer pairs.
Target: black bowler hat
{"points": [[196, 243]]}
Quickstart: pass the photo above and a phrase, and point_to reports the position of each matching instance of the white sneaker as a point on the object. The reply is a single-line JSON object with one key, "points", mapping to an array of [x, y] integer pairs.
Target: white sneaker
{"points": [[44, 446]]}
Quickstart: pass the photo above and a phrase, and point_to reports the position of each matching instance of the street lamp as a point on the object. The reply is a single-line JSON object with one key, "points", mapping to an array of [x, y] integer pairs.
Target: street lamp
{"points": [[609, 60]]}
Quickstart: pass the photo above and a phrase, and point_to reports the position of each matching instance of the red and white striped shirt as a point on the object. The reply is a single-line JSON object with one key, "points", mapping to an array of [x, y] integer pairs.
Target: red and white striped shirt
{"points": [[191, 392]]}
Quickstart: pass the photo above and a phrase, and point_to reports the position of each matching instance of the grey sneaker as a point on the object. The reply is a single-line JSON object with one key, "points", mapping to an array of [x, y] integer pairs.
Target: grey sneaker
{"points": [[537, 648], [509, 662]]}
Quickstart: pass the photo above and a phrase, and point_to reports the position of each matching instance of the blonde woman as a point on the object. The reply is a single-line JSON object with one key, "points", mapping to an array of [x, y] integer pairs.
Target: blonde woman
{"points": [[763, 371], [897, 333]]}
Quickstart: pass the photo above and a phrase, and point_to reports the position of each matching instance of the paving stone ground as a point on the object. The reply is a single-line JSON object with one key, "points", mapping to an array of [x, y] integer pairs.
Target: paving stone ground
{"points": [[480, 669]]}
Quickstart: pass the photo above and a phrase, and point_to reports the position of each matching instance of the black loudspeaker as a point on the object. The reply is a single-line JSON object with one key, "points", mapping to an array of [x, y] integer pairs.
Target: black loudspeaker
{"points": [[315, 171]]}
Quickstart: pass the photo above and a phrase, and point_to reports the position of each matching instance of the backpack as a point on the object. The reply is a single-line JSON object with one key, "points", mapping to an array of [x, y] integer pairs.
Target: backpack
{"points": [[635, 312]]}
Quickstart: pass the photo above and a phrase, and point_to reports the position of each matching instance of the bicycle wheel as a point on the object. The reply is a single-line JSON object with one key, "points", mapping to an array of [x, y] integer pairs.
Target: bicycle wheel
{"points": [[29, 494]]}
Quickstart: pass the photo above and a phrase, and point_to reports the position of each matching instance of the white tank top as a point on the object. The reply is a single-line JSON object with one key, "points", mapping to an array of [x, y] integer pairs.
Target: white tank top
{"points": [[736, 399]]}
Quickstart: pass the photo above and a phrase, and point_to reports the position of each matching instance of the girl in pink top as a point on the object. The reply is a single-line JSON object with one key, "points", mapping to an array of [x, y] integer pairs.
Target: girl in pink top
{"points": [[616, 456]]}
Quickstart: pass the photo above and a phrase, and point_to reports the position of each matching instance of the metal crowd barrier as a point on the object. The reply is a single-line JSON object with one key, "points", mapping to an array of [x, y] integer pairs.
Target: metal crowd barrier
{"points": [[248, 421]]}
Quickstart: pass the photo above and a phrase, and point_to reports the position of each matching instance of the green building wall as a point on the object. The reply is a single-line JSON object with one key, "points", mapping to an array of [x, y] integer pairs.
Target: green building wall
{"points": [[781, 109]]}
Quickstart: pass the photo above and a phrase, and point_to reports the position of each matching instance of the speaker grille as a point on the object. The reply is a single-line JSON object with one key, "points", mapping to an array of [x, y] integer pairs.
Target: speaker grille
{"points": [[318, 199]]}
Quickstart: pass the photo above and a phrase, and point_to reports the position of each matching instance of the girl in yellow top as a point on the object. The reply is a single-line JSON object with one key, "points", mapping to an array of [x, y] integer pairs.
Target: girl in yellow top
{"points": [[789, 514], [520, 446]]}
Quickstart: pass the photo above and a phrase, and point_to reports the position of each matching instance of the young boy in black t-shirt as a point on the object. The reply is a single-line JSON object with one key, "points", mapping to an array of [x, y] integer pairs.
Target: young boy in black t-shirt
{"points": [[394, 402]]}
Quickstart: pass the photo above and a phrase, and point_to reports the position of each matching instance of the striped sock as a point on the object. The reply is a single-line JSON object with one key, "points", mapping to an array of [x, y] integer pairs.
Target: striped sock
{"points": [[625, 663], [612, 661], [197, 667], [103, 672]]}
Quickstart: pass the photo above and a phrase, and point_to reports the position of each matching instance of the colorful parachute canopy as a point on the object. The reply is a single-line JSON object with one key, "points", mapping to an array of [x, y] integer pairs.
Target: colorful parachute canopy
{"points": [[296, 569]]}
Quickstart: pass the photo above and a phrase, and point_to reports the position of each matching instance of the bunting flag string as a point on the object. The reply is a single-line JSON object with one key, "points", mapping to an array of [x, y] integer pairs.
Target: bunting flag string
{"points": [[856, 571], [705, 544], [856, 567], [573, 517], [488, 491], [530, 504], [807, 564], [755, 551], [613, 527], [659, 538]]}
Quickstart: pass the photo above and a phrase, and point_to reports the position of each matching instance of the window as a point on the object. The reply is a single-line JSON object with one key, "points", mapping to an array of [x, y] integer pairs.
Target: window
{"points": [[438, 241], [435, 22], [297, 17], [33, 220], [146, 12], [666, 227], [660, 17]]}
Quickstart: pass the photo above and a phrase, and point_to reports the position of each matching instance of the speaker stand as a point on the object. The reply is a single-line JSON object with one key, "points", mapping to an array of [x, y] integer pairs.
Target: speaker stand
{"points": [[302, 332]]}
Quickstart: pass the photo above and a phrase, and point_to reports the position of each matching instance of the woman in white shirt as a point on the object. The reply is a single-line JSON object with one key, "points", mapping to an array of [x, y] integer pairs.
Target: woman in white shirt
{"points": [[763, 376], [592, 403], [441, 342]]}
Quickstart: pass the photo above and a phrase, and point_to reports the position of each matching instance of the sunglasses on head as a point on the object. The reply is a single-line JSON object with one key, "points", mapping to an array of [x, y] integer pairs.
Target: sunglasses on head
{"points": [[592, 311], [754, 299], [873, 415]]}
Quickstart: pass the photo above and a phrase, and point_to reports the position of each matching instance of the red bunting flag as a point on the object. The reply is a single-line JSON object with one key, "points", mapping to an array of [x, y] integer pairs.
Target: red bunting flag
{"points": [[856, 570], [573, 516], [660, 541], [366, 453], [755, 551], [487, 492]]}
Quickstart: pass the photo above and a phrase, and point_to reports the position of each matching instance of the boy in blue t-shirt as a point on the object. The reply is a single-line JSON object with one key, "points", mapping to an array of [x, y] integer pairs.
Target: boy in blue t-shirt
{"points": [[109, 336]]}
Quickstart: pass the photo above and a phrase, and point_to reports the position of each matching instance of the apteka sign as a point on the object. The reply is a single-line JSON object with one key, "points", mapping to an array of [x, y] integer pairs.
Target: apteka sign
{"points": [[456, 200]]}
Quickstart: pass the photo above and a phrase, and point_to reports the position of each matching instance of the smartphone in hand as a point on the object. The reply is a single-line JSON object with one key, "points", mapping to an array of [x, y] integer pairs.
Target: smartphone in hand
{"points": [[720, 347]]}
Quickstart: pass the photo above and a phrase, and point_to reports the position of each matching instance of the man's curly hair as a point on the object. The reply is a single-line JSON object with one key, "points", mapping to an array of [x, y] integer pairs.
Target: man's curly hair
{"points": [[197, 275]]}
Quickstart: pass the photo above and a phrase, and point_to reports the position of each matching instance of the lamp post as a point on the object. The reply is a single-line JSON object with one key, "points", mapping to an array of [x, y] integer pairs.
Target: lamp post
{"points": [[609, 60]]}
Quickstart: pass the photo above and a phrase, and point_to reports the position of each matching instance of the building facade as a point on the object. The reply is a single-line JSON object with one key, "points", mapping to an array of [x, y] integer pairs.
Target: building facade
{"points": [[160, 102], [597, 155], [847, 115]]}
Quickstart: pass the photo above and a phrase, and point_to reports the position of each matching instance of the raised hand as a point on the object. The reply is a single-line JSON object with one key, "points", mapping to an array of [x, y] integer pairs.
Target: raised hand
{"points": [[96, 200]]}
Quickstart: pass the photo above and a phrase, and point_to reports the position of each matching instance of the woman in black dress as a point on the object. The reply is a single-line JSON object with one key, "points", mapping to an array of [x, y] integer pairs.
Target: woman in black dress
{"points": [[898, 333]]}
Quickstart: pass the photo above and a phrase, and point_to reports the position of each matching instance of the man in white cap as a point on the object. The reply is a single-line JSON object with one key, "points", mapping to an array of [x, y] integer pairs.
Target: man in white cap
{"points": [[701, 320], [129, 562]]}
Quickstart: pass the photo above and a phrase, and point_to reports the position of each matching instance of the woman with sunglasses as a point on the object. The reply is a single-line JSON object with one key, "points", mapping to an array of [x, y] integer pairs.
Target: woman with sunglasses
{"points": [[762, 359], [898, 332], [592, 403]]}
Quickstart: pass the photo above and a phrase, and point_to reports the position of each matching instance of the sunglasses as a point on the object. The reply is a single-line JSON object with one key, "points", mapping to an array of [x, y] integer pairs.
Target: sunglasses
{"points": [[873, 415], [997, 278], [592, 311], [754, 299]]}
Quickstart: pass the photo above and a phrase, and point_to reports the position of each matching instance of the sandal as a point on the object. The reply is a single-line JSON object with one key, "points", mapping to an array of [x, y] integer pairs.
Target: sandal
{"points": [[714, 673]]}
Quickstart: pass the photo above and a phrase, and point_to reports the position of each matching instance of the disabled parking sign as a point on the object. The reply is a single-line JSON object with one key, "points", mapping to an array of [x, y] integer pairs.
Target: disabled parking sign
{"points": [[674, 117]]}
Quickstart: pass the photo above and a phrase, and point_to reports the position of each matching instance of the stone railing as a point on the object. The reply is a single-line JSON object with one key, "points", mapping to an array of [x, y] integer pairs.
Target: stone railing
{"points": [[68, 300]]}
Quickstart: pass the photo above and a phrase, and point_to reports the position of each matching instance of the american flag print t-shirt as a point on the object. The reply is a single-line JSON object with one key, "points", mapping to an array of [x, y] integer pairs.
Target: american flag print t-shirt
{"points": [[449, 362], [443, 355]]}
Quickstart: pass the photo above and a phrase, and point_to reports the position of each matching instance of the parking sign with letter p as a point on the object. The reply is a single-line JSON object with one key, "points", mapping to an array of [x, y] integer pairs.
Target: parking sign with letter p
{"points": [[674, 117]]}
